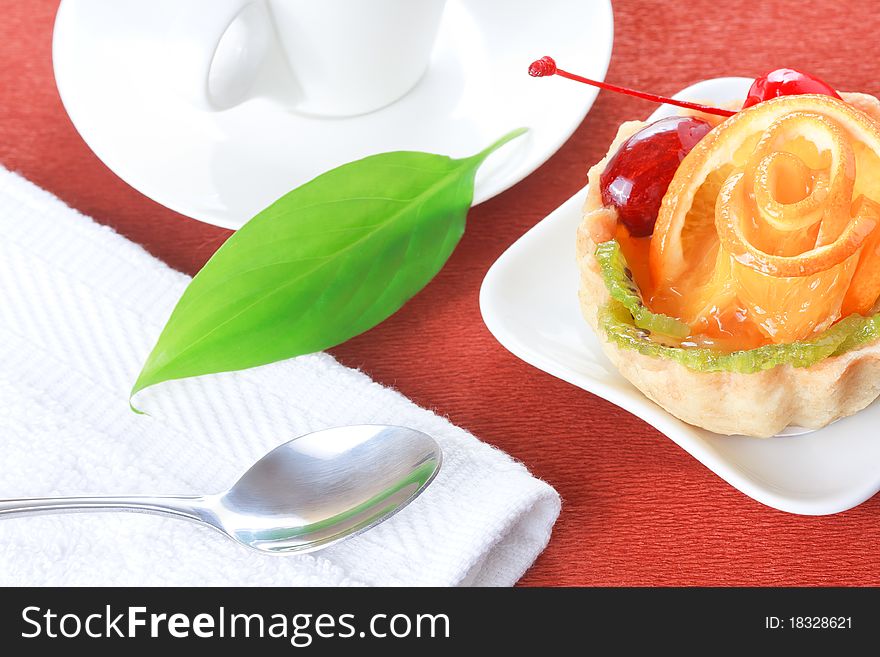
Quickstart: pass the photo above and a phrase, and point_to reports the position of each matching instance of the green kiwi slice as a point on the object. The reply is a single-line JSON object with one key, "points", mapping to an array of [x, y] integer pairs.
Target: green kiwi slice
{"points": [[630, 325], [622, 288]]}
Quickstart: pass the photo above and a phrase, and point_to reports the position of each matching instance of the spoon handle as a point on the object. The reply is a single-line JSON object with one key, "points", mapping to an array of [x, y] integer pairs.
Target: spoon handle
{"points": [[193, 508]]}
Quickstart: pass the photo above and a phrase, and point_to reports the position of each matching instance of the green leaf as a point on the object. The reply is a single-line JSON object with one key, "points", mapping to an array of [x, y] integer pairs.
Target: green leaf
{"points": [[322, 264]]}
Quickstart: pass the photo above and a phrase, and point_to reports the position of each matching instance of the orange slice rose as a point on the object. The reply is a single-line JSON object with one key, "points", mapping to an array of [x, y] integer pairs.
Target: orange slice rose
{"points": [[792, 242]]}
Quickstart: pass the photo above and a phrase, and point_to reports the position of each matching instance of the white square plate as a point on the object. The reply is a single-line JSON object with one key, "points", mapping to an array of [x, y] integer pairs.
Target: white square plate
{"points": [[529, 303]]}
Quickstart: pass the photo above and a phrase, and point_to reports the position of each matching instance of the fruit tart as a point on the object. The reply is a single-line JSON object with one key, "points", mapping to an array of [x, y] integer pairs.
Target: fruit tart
{"points": [[731, 265]]}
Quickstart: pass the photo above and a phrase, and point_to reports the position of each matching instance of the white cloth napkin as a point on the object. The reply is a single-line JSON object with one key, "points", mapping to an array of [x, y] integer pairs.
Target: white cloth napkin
{"points": [[80, 308]]}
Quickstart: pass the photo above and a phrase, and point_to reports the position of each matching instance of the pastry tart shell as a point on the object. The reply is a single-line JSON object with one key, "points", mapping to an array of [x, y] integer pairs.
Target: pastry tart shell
{"points": [[760, 404]]}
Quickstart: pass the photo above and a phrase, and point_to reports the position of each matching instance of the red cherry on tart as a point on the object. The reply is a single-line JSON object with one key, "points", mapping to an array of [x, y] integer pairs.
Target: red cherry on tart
{"points": [[637, 176], [781, 82], [786, 82]]}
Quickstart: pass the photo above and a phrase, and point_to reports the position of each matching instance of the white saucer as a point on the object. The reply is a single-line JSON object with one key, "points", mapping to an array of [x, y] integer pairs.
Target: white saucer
{"points": [[224, 167], [529, 303]]}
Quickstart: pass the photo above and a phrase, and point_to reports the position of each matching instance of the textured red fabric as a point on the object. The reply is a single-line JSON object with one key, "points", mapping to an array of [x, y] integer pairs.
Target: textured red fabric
{"points": [[637, 509]]}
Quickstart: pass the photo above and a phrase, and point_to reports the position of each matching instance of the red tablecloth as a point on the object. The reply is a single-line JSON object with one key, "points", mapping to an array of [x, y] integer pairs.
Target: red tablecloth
{"points": [[637, 509]]}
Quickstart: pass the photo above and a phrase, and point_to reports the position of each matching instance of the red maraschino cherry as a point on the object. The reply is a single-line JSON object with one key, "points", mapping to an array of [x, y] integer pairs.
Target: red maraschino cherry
{"points": [[786, 82], [638, 174], [636, 177]]}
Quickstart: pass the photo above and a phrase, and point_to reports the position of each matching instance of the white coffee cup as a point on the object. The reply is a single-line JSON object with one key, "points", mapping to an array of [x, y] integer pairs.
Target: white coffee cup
{"points": [[323, 57]]}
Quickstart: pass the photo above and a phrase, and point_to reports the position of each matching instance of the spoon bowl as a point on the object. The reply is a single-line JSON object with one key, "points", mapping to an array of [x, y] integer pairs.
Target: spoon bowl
{"points": [[324, 486], [304, 495]]}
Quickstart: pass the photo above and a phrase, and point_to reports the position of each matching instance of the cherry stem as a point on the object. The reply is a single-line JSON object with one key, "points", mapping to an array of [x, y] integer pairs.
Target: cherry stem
{"points": [[547, 66]]}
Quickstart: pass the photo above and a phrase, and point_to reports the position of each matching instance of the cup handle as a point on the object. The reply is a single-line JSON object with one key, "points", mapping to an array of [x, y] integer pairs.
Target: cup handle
{"points": [[216, 49]]}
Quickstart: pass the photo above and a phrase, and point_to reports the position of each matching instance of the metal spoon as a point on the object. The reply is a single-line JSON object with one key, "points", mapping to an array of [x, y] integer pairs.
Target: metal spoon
{"points": [[303, 495]]}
